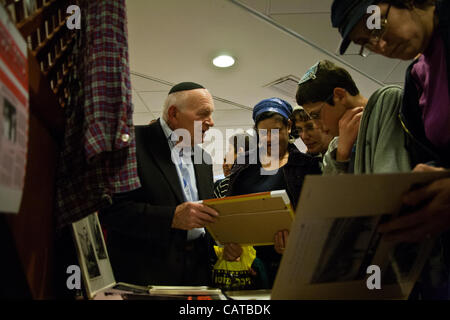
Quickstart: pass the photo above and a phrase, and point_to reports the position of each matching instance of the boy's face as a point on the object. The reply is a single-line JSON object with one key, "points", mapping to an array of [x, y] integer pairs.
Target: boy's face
{"points": [[315, 139], [328, 115]]}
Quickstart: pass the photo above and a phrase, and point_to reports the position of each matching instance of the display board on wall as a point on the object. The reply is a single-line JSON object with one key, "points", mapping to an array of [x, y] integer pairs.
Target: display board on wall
{"points": [[14, 114]]}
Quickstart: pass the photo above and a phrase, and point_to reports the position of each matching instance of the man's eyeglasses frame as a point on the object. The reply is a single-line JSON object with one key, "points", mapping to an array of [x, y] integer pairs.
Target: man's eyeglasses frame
{"points": [[375, 36]]}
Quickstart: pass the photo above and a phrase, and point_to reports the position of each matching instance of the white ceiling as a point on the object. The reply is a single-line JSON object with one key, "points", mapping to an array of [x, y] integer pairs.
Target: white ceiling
{"points": [[171, 41]]}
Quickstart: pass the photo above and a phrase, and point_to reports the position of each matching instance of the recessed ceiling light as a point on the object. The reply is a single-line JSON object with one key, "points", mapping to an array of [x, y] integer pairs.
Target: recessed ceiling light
{"points": [[223, 61]]}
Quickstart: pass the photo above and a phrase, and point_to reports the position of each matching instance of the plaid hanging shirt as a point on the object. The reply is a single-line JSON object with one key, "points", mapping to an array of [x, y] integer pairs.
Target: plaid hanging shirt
{"points": [[98, 157]]}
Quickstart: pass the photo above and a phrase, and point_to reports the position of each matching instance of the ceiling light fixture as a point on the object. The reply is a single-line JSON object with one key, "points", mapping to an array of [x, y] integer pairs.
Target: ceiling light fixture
{"points": [[223, 61]]}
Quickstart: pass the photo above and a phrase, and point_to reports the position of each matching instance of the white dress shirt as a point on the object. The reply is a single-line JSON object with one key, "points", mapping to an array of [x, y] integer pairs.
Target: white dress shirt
{"points": [[185, 171]]}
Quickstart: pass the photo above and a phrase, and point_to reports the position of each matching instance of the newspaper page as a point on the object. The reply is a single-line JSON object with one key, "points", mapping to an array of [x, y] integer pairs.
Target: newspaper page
{"points": [[334, 245], [13, 114]]}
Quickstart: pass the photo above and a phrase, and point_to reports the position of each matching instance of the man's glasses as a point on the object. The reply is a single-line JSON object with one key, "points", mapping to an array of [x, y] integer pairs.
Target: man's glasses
{"points": [[375, 36], [316, 114]]}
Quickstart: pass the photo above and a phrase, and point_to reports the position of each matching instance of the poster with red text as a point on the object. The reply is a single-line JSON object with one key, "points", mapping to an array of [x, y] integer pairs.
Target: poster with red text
{"points": [[13, 114]]}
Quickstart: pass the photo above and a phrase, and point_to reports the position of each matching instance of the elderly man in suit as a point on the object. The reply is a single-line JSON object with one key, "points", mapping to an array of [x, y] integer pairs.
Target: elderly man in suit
{"points": [[155, 234]]}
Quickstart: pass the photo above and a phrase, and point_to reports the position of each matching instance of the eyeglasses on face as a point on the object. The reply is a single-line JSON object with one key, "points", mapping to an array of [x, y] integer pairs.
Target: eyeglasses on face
{"points": [[317, 114], [375, 36]]}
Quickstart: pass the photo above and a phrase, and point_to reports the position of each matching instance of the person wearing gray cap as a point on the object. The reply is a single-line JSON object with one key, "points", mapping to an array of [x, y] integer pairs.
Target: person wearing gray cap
{"points": [[155, 234], [419, 30]]}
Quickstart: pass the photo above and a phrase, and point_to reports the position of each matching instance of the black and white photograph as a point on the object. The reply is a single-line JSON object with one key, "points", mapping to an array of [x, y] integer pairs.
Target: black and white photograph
{"points": [[97, 237], [9, 121], [344, 255], [88, 252], [93, 255]]}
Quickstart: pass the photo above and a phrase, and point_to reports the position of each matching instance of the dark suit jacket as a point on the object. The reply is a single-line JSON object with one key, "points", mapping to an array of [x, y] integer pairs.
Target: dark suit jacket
{"points": [[143, 247]]}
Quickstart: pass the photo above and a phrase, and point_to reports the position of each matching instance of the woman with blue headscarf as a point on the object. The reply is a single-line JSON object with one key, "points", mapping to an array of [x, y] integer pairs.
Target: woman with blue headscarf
{"points": [[277, 164]]}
